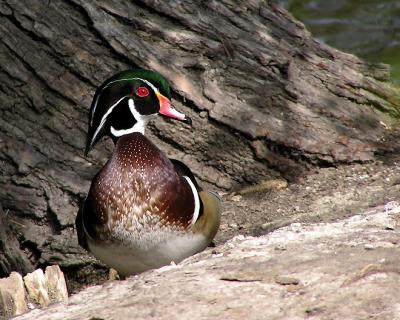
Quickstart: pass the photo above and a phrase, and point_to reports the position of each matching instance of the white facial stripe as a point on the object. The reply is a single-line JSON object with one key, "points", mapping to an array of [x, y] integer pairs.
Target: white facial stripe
{"points": [[152, 86], [139, 126], [127, 79], [103, 120], [196, 200], [94, 109]]}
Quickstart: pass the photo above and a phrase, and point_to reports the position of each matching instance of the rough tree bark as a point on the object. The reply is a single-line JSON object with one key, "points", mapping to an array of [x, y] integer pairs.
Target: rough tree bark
{"points": [[266, 98]]}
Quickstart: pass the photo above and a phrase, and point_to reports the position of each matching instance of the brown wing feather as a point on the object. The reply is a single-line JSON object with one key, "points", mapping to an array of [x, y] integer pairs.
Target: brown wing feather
{"points": [[183, 170], [80, 231]]}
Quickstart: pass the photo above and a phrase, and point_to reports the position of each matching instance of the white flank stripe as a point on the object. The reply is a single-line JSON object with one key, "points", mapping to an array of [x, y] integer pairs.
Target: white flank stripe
{"points": [[196, 200]]}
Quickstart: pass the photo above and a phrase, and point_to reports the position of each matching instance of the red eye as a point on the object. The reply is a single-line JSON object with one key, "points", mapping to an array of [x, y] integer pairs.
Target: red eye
{"points": [[142, 92]]}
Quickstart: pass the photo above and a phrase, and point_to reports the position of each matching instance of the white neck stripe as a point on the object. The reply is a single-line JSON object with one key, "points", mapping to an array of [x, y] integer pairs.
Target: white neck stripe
{"points": [[196, 200], [139, 126], [155, 89], [121, 132]]}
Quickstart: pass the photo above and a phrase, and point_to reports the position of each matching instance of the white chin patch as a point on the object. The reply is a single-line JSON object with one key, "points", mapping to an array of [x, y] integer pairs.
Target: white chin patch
{"points": [[140, 125]]}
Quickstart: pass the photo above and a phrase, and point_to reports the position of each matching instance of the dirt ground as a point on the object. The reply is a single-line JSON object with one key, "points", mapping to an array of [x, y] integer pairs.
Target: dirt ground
{"points": [[348, 269], [327, 194], [323, 195]]}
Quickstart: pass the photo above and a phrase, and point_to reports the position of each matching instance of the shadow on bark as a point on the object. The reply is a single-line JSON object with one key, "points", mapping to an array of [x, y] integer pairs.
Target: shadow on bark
{"points": [[267, 100]]}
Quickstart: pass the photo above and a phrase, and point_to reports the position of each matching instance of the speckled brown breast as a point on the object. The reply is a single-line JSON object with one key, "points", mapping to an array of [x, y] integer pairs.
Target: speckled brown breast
{"points": [[136, 191]]}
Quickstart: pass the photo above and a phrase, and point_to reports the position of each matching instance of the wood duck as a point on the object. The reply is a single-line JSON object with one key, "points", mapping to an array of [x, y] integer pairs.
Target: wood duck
{"points": [[143, 210]]}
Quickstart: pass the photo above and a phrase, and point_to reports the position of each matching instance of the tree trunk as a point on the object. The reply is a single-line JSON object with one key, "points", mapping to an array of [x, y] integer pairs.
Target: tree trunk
{"points": [[266, 99]]}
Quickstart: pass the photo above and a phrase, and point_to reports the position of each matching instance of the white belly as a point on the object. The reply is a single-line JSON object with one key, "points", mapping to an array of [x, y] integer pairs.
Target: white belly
{"points": [[135, 257]]}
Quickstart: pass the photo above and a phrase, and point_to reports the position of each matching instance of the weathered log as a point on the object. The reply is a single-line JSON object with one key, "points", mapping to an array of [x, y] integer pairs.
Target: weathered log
{"points": [[265, 96], [36, 289], [339, 270]]}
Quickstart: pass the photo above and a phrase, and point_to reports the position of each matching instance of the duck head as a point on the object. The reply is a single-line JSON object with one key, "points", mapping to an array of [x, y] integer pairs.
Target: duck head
{"points": [[126, 102]]}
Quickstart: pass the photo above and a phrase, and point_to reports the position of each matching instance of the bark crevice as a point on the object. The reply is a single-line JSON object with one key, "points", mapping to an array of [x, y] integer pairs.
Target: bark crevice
{"points": [[266, 99]]}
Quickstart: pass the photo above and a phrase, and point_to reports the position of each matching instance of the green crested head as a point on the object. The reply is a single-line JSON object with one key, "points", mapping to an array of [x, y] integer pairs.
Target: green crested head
{"points": [[151, 76], [125, 103]]}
